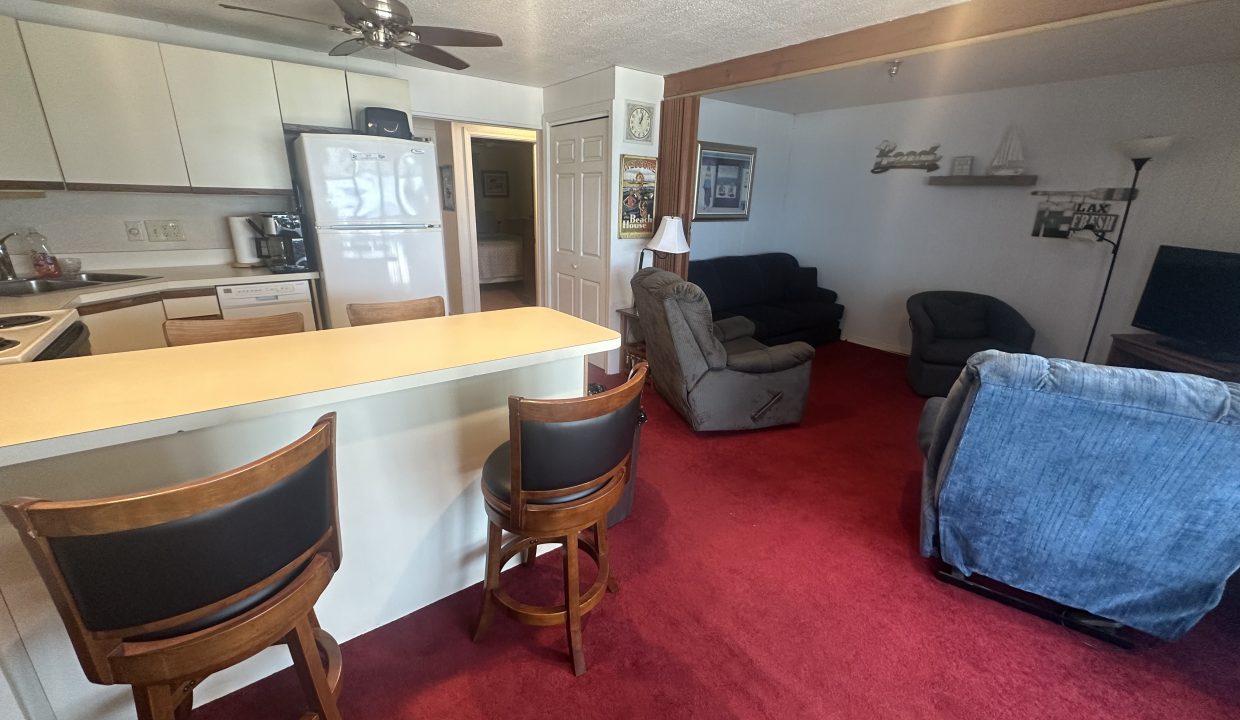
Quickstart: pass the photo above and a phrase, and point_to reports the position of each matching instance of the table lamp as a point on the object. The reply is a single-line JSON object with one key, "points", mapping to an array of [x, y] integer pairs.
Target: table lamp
{"points": [[668, 239]]}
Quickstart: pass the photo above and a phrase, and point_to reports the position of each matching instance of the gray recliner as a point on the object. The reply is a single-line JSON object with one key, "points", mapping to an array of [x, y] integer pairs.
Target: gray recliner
{"points": [[715, 374]]}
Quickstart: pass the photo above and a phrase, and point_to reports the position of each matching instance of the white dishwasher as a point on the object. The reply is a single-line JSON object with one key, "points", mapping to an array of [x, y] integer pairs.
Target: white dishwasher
{"points": [[261, 299]]}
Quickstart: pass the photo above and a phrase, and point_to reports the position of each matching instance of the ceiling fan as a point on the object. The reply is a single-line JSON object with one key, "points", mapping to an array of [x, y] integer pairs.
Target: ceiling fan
{"points": [[387, 24]]}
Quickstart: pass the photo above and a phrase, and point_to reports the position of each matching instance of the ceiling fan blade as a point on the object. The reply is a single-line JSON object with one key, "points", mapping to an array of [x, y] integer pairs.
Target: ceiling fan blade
{"points": [[433, 54], [273, 14], [348, 47], [376, 11], [454, 37]]}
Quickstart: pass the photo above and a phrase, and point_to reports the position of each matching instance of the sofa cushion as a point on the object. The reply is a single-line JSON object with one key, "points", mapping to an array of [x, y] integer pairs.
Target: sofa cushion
{"points": [[948, 351], [741, 280], [956, 318], [790, 317]]}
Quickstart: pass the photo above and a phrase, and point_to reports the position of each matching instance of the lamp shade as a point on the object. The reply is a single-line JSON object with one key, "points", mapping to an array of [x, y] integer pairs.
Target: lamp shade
{"points": [[1146, 147], [670, 237]]}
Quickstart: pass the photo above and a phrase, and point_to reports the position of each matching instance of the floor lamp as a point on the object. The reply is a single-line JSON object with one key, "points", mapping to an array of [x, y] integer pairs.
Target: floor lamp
{"points": [[669, 238], [1139, 151]]}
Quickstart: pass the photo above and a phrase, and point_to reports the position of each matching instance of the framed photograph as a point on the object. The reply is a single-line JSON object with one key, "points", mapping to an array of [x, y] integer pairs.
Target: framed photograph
{"points": [[724, 181], [447, 188], [962, 165], [494, 183], [637, 190]]}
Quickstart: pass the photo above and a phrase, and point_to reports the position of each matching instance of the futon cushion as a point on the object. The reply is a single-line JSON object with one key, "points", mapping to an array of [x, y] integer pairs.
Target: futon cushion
{"points": [[956, 318], [790, 317], [945, 351], [497, 477]]}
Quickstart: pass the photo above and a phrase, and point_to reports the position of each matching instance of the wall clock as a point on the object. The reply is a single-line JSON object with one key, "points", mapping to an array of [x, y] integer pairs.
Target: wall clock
{"points": [[639, 122]]}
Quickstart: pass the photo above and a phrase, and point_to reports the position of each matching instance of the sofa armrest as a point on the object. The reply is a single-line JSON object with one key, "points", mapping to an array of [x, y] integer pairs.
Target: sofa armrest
{"points": [[734, 328], [772, 359], [826, 296]]}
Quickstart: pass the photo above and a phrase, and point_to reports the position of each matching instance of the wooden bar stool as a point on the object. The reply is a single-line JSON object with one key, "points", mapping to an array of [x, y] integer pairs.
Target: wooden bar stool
{"points": [[160, 589], [386, 312], [564, 467], [192, 331]]}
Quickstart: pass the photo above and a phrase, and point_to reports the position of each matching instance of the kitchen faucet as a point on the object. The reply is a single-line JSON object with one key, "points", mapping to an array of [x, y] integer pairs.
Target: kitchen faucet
{"points": [[6, 261]]}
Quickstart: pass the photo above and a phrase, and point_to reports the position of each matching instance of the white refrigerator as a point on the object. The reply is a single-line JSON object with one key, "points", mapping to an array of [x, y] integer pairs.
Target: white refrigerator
{"points": [[373, 204]]}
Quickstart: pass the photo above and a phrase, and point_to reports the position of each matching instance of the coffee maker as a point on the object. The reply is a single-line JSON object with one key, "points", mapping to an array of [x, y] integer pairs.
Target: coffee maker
{"points": [[282, 247]]}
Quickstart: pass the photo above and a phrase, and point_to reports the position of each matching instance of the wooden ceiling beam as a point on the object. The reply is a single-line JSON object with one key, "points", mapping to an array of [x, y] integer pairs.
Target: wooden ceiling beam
{"points": [[964, 23]]}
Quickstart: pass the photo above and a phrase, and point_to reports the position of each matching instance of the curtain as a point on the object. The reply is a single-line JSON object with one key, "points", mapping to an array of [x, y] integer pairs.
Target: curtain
{"points": [[677, 172]]}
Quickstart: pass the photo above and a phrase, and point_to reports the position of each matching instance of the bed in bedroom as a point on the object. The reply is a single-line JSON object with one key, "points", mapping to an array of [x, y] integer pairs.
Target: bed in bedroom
{"points": [[499, 258]]}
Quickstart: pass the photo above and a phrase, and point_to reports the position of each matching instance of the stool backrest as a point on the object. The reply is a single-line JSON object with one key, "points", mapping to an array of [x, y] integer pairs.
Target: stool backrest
{"points": [[373, 313], [573, 447], [162, 563], [192, 331]]}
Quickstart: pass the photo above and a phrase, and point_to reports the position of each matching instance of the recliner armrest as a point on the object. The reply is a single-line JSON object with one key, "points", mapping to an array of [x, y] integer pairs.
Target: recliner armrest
{"points": [[772, 359], [734, 328]]}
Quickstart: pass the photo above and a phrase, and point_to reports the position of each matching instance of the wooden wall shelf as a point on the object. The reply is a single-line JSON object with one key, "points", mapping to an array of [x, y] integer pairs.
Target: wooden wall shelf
{"points": [[982, 180]]}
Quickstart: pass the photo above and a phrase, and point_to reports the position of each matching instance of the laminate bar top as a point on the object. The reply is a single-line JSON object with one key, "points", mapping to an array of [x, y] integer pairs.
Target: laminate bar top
{"points": [[82, 403]]}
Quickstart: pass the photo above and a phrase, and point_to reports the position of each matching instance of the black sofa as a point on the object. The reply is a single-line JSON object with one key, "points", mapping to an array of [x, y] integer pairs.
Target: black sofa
{"points": [[772, 290]]}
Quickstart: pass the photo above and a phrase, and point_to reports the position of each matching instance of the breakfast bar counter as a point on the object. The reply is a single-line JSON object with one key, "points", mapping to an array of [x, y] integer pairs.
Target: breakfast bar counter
{"points": [[420, 404]]}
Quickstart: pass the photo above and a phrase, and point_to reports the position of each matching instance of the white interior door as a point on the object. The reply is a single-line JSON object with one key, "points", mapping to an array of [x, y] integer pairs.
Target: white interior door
{"points": [[578, 227]]}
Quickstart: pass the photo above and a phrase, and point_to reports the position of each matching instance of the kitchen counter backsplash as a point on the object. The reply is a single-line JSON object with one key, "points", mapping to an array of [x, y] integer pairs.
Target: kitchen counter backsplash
{"points": [[94, 222]]}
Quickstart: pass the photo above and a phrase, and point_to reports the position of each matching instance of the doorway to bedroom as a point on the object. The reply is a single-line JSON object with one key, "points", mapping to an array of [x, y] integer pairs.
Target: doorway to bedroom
{"points": [[504, 215]]}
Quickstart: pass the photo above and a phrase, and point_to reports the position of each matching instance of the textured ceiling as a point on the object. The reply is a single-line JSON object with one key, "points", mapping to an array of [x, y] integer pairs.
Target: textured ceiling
{"points": [[1172, 37], [548, 41]]}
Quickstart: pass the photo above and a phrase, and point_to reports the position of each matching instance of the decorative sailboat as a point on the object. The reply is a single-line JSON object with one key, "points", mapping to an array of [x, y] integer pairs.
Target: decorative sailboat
{"points": [[1010, 157]]}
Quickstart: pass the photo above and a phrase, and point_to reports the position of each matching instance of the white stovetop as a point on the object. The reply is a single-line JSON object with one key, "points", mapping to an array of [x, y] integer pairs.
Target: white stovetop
{"points": [[33, 339]]}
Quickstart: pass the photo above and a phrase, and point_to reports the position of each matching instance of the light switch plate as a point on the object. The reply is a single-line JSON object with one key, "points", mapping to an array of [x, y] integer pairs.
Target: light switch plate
{"points": [[165, 231], [135, 231]]}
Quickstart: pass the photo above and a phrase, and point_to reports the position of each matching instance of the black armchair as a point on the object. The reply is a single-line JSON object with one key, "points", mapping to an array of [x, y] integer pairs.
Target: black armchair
{"points": [[949, 326]]}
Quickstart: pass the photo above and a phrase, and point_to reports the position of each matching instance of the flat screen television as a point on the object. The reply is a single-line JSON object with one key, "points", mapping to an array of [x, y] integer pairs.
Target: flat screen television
{"points": [[1193, 298]]}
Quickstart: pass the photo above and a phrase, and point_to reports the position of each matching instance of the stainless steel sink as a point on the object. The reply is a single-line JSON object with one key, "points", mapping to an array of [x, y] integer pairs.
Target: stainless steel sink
{"points": [[19, 288], [15, 288], [101, 277]]}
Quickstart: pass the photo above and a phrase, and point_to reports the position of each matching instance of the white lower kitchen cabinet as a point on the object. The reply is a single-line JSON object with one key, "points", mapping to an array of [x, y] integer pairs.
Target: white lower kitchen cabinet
{"points": [[197, 303], [228, 115], [122, 325]]}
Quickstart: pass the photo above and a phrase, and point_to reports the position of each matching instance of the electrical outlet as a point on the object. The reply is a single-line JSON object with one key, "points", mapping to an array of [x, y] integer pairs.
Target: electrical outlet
{"points": [[135, 231], [165, 231]]}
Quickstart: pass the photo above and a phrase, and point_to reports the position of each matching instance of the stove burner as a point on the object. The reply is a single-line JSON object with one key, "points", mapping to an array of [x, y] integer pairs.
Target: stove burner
{"points": [[12, 321], [6, 344]]}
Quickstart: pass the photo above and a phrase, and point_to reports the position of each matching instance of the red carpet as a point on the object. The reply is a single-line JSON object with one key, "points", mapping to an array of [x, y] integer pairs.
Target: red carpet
{"points": [[773, 574]]}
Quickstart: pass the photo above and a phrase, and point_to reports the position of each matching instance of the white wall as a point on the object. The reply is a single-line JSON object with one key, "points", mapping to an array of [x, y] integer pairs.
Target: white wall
{"points": [[94, 222], [771, 133], [606, 93], [877, 239]]}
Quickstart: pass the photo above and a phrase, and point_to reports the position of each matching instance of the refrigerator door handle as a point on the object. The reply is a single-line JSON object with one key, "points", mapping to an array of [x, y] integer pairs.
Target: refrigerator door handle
{"points": [[414, 226]]}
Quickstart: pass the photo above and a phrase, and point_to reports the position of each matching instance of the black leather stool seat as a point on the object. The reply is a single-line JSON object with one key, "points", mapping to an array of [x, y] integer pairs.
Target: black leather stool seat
{"points": [[497, 477]]}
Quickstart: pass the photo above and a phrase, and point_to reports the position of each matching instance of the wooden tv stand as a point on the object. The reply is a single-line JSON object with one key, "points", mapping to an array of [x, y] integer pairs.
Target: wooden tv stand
{"points": [[1145, 350]]}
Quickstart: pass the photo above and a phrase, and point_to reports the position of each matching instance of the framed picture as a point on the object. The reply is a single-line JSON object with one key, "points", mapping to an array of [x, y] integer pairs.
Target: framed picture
{"points": [[637, 190], [447, 188], [724, 181], [962, 165], [494, 183]]}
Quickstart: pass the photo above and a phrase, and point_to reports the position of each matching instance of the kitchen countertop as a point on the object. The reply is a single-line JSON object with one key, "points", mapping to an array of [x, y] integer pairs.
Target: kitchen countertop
{"points": [[169, 278], [82, 403]]}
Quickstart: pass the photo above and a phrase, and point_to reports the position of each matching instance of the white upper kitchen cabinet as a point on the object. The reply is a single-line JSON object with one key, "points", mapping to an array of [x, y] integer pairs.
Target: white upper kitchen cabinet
{"points": [[315, 96], [107, 105], [229, 117], [374, 91], [26, 152]]}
